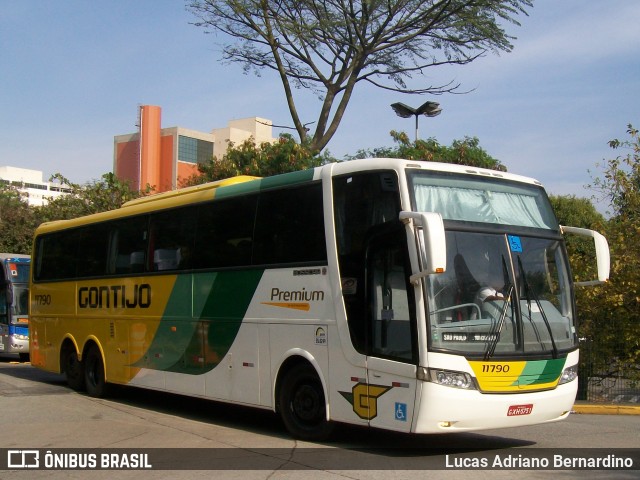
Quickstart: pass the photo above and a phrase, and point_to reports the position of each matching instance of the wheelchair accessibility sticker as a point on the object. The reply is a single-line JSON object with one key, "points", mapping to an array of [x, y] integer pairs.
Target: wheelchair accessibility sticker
{"points": [[401, 411], [515, 243]]}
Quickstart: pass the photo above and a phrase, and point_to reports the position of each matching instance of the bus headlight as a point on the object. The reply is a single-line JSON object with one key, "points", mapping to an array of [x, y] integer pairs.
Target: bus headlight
{"points": [[448, 378], [569, 374]]}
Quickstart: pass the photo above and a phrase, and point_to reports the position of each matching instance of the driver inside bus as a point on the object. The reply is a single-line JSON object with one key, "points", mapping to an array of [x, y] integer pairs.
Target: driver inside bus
{"points": [[488, 294], [490, 290], [486, 288]]}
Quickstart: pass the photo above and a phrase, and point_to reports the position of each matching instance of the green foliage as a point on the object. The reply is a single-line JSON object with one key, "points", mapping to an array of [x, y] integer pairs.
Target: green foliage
{"points": [[17, 222], [461, 152], [97, 196], [579, 212], [611, 313], [264, 160], [620, 182]]}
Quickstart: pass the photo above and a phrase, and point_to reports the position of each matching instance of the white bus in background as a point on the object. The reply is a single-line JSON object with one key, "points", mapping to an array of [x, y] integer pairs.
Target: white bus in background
{"points": [[412, 296]]}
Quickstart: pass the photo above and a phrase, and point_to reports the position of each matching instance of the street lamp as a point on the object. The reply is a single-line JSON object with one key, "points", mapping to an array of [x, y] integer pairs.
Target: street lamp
{"points": [[428, 109]]}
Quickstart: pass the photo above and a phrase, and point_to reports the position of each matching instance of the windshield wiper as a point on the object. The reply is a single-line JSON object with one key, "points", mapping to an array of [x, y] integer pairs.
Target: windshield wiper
{"points": [[528, 290], [496, 330]]}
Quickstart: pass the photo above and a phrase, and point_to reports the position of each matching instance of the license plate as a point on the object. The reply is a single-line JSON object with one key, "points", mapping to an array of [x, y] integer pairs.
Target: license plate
{"points": [[515, 410]]}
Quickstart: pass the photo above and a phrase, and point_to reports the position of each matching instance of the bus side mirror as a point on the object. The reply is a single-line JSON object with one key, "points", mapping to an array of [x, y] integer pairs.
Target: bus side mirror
{"points": [[603, 259], [432, 240]]}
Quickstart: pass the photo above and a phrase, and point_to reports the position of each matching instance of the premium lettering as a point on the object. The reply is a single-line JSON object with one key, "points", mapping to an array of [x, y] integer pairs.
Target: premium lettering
{"points": [[303, 295], [115, 296]]}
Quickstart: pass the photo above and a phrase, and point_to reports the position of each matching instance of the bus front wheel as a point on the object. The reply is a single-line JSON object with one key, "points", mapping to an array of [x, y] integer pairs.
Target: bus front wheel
{"points": [[94, 373], [302, 404]]}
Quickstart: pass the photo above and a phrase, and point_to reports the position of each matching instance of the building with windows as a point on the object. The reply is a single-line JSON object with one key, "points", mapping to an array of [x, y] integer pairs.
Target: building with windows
{"points": [[164, 157], [30, 183]]}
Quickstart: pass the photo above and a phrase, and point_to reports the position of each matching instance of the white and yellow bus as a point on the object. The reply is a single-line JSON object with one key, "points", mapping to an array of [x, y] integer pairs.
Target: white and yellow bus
{"points": [[411, 296]]}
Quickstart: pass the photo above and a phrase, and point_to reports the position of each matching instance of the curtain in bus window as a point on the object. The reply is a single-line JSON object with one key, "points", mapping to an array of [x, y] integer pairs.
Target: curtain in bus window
{"points": [[479, 205], [517, 210]]}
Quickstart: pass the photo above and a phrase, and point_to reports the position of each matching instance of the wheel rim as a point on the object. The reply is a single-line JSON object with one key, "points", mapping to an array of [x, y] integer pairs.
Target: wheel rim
{"points": [[307, 405], [72, 366], [92, 371]]}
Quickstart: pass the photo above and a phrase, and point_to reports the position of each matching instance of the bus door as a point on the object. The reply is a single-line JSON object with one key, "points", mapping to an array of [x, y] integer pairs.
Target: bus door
{"points": [[391, 332]]}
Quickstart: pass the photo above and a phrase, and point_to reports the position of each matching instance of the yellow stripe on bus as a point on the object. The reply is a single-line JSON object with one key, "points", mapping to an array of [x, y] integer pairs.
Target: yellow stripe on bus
{"points": [[294, 306]]}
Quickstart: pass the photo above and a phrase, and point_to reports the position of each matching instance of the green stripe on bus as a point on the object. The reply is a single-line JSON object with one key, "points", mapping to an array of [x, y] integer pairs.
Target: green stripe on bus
{"points": [[282, 180], [286, 179], [196, 346], [238, 189], [541, 371]]}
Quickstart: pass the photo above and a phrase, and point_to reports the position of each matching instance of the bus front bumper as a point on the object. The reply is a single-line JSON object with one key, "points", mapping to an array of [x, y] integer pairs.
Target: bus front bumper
{"points": [[446, 409]]}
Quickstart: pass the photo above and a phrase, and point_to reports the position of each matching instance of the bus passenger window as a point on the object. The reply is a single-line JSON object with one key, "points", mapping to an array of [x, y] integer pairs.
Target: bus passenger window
{"points": [[93, 247], [290, 226], [128, 240], [169, 232], [224, 233]]}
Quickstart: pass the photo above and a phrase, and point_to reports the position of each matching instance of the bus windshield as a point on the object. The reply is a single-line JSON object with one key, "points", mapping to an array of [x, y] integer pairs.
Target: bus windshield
{"points": [[20, 302], [506, 289], [17, 271], [501, 294]]}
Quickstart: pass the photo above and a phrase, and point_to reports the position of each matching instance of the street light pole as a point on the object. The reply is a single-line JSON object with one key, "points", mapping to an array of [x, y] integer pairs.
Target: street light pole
{"points": [[428, 109]]}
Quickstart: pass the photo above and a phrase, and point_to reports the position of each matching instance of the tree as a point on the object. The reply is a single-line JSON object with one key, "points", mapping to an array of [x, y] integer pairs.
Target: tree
{"points": [[264, 160], [462, 152], [579, 212], [331, 46], [97, 196], [621, 180], [17, 222], [612, 312]]}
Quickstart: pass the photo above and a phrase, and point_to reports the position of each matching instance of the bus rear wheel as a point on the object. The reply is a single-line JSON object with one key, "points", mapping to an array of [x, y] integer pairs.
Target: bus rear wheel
{"points": [[302, 404], [73, 369], [94, 378]]}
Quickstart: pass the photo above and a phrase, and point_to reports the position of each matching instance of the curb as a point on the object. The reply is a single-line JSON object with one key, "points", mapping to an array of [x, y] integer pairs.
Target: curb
{"points": [[595, 409]]}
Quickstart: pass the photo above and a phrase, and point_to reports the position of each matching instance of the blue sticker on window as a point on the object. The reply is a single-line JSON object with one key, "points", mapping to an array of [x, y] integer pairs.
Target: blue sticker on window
{"points": [[515, 243]]}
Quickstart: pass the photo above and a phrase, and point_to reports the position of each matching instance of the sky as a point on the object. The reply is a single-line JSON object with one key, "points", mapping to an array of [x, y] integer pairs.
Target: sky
{"points": [[73, 73]]}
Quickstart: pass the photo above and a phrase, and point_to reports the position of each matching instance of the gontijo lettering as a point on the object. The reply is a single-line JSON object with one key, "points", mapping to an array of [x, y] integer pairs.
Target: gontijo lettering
{"points": [[116, 296]]}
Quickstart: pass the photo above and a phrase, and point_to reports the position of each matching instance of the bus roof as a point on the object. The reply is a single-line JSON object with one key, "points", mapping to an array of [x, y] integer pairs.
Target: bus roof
{"points": [[244, 184], [401, 164], [15, 256], [205, 187]]}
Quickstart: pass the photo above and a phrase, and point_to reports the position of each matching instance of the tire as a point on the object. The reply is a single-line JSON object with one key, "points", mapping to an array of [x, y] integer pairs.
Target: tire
{"points": [[73, 369], [302, 404], [24, 357], [94, 379]]}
